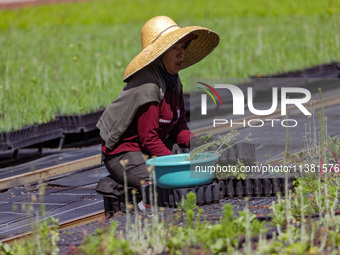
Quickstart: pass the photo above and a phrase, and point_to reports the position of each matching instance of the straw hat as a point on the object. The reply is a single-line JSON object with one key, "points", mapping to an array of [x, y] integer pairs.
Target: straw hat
{"points": [[160, 33]]}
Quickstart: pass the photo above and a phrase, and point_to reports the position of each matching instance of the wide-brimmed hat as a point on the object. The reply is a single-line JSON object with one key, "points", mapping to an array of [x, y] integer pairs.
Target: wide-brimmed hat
{"points": [[160, 33]]}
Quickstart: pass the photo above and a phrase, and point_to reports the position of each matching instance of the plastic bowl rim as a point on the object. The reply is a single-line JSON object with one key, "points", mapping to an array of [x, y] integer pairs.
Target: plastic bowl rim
{"points": [[214, 157]]}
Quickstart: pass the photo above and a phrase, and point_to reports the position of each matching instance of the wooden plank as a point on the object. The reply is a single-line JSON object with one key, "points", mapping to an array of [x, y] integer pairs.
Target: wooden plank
{"points": [[49, 172], [68, 224]]}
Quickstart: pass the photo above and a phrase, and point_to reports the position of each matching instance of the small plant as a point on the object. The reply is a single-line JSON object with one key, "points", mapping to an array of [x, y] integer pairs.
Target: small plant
{"points": [[193, 233], [188, 205], [5, 249], [225, 236], [106, 241], [217, 144], [220, 238], [316, 140], [298, 232], [278, 213], [237, 173]]}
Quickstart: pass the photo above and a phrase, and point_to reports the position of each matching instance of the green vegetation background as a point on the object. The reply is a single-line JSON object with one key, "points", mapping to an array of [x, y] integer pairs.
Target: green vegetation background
{"points": [[70, 58]]}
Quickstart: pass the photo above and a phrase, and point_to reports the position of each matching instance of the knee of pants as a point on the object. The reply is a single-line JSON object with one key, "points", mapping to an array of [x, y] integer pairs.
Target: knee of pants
{"points": [[132, 163]]}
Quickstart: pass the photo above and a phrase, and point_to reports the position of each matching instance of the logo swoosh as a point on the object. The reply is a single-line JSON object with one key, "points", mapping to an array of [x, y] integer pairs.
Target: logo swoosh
{"points": [[213, 90], [208, 92]]}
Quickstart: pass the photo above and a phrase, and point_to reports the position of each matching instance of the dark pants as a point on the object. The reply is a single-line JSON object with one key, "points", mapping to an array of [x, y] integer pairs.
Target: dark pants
{"points": [[134, 165]]}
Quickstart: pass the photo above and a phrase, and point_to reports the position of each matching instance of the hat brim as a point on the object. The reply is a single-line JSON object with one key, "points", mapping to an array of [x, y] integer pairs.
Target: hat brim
{"points": [[206, 42]]}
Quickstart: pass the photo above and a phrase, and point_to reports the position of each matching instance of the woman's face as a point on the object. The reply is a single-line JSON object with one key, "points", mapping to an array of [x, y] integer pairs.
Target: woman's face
{"points": [[173, 58]]}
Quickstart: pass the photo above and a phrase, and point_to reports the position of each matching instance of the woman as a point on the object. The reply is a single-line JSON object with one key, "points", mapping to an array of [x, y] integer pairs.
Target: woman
{"points": [[149, 111]]}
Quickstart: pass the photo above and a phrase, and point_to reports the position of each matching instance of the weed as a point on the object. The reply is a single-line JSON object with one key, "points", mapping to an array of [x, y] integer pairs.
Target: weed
{"points": [[237, 173], [105, 241], [6, 249], [188, 205], [301, 234]]}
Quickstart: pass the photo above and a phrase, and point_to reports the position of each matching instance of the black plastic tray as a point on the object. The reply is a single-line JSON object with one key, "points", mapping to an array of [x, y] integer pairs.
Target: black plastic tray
{"points": [[244, 151], [2, 142], [80, 123], [35, 134], [331, 70], [261, 186]]}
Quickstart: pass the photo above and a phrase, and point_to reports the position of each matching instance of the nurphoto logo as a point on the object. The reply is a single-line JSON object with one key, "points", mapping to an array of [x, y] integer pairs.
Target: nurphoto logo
{"points": [[238, 104]]}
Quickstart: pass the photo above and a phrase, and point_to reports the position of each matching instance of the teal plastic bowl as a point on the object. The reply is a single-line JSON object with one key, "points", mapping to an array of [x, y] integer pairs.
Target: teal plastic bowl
{"points": [[175, 171]]}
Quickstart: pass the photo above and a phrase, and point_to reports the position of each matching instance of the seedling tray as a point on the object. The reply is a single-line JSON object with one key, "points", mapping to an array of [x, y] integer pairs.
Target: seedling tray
{"points": [[2, 142], [35, 134], [261, 185], [331, 70], [80, 123]]}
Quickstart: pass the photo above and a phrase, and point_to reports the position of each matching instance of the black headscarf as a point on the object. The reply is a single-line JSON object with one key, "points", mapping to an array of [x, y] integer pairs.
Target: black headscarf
{"points": [[171, 80]]}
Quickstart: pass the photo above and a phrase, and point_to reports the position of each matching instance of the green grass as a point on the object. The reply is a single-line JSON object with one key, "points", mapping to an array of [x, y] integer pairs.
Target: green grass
{"points": [[70, 58]]}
